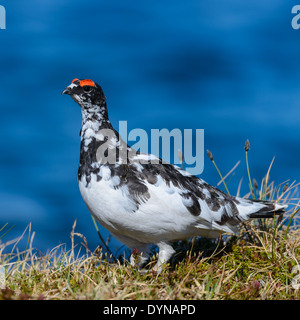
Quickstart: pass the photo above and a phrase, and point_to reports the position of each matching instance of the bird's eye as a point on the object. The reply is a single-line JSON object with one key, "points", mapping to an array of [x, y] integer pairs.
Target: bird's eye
{"points": [[87, 88]]}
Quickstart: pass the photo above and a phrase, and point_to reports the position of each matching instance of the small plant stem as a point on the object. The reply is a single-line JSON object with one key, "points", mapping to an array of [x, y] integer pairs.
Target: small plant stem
{"points": [[213, 161], [250, 182], [287, 228], [265, 188], [273, 238], [6, 232], [102, 240], [180, 156]]}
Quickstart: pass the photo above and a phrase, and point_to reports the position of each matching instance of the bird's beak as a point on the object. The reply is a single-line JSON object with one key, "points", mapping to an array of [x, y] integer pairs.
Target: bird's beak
{"points": [[66, 91]]}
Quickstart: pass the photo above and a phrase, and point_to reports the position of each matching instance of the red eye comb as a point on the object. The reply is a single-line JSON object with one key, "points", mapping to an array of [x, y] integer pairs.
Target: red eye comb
{"points": [[87, 82]]}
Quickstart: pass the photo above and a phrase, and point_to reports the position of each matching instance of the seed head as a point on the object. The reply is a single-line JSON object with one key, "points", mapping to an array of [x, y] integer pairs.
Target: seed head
{"points": [[210, 155], [255, 184], [285, 187], [280, 218], [247, 145]]}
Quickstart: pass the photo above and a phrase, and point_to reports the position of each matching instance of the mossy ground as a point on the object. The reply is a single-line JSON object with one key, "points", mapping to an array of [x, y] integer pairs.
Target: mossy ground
{"points": [[237, 269]]}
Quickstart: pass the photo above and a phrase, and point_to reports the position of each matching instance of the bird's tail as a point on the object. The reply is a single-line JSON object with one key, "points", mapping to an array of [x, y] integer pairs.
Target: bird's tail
{"points": [[251, 209], [242, 209], [268, 210]]}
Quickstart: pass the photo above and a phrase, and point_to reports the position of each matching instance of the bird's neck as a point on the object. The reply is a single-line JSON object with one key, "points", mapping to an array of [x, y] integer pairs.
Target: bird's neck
{"points": [[94, 114], [94, 120], [100, 143]]}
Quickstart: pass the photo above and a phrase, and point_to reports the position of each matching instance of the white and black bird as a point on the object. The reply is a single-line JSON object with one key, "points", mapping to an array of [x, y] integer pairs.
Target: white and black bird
{"points": [[141, 202]]}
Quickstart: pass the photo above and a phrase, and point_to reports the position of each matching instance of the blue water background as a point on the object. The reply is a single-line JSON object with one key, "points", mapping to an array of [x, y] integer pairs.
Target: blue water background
{"points": [[229, 67]]}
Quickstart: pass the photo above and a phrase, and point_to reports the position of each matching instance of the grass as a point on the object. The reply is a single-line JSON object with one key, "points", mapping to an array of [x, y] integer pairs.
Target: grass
{"points": [[261, 262]]}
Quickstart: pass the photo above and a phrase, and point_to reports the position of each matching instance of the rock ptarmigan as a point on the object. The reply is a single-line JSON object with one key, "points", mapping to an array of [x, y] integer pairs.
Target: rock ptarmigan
{"points": [[142, 200]]}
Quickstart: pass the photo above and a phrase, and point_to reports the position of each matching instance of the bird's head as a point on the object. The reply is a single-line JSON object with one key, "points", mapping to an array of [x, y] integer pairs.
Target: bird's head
{"points": [[86, 93]]}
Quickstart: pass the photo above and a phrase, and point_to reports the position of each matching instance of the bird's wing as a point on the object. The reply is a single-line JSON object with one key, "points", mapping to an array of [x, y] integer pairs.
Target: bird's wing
{"points": [[207, 204], [177, 200]]}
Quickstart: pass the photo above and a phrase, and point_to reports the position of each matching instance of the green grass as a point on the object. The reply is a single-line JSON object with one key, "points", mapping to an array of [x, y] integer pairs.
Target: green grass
{"points": [[261, 262], [239, 269]]}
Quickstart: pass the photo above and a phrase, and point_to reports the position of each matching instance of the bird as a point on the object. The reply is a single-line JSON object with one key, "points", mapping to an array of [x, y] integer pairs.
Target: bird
{"points": [[144, 201]]}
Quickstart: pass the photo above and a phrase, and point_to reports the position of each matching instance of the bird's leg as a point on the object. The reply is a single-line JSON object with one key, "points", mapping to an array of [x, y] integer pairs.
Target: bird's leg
{"points": [[139, 257], [165, 253], [140, 252]]}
